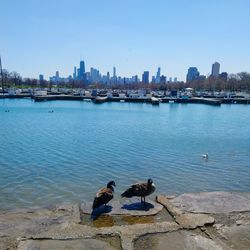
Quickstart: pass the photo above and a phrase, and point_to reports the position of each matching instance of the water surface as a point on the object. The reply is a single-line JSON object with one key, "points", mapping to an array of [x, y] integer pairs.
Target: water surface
{"points": [[68, 154]]}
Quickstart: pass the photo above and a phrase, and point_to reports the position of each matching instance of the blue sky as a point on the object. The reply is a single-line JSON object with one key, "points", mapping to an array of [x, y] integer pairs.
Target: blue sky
{"points": [[134, 35]]}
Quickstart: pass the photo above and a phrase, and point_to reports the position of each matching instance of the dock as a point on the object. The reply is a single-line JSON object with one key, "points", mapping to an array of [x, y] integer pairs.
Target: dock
{"points": [[193, 100]]}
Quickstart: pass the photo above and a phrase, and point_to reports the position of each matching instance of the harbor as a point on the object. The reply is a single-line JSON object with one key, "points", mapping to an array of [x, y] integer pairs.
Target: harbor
{"points": [[140, 96]]}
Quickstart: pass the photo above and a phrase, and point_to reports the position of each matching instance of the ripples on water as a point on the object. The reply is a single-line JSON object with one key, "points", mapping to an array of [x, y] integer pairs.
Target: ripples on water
{"points": [[67, 155]]}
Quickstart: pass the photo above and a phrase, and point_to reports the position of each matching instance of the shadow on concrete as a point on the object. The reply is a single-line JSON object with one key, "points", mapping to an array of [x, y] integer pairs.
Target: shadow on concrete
{"points": [[138, 206], [100, 210]]}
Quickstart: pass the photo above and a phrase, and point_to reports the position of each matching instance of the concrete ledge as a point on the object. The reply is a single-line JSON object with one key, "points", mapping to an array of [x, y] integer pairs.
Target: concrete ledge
{"points": [[212, 202], [59, 227]]}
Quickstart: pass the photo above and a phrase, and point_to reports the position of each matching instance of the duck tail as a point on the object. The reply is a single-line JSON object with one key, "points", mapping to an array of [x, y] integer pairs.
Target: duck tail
{"points": [[96, 203], [128, 193]]}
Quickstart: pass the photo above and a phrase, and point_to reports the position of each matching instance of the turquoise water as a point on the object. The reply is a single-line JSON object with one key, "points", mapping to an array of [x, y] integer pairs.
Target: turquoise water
{"points": [[69, 154]]}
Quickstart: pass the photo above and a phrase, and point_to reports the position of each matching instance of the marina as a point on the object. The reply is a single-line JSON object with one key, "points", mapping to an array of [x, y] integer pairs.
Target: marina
{"points": [[199, 100]]}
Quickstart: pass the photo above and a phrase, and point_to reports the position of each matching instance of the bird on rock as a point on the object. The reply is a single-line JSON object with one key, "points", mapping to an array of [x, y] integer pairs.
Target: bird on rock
{"points": [[104, 195], [140, 190]]}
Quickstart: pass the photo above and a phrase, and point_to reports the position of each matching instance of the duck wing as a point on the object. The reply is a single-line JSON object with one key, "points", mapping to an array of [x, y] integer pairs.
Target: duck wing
{"points": [[138, 189], [103, 196]]}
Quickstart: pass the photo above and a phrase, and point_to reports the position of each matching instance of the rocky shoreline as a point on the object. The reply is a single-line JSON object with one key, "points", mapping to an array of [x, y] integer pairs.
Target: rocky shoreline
{"points": [[210, 220]]}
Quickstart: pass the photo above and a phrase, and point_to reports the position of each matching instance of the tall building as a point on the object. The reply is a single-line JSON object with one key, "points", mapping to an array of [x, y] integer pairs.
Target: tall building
{"points": [[114, 72], [108, 78], [215, 69], [145, 77], [74, 74], [193, 74], [41, 78], [158, 75], [82, 70]]}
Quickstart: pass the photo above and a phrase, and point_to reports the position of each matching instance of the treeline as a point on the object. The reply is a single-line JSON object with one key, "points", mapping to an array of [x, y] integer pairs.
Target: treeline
{"points": [[235, 82]]}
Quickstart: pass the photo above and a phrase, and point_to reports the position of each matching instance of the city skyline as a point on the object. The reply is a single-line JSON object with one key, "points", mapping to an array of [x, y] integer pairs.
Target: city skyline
{"points": [[45, 37], [95, 76]]}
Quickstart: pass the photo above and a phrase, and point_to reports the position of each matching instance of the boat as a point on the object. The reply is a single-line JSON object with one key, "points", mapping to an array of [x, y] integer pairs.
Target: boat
{"points": [[100, 99], [155, 101], [87, 100]]}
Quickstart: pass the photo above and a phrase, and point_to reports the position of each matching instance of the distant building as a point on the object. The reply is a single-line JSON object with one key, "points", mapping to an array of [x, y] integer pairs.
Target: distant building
{"points": [[57, 74], [134, 79], [163, 79], [74, 74], [215, 69], [145, 77], [41, 78], [108, 78], [158, 75], [170, 79], [202, 77], [82, 70], [153, 79], [193, 74], [114, 77], [224, 76]]}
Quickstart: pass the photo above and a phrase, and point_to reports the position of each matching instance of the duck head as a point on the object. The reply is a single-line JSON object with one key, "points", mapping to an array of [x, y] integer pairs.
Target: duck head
{"points": [[150, 182], [111, 184]]}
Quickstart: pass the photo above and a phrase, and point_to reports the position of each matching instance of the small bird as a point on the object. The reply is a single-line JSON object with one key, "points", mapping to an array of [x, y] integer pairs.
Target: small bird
{"points": [[104, 195], [205, 156], [140, 190]]}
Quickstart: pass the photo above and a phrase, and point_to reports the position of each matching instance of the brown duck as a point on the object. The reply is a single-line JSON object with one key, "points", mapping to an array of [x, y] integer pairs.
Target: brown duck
{"points": [[140, 190], [104, 195]]}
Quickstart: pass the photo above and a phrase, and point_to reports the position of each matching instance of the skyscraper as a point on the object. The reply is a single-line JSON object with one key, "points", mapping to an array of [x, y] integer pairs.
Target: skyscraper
{"points": [[74, 74], [158, 75], [41, 78], [145, 77], [215, 69], [193, 74], [82, 70]]}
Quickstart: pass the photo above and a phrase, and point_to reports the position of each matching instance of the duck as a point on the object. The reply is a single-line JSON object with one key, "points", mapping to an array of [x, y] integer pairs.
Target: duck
{"points": [[104, 195], [140, 190], [205, 156]]}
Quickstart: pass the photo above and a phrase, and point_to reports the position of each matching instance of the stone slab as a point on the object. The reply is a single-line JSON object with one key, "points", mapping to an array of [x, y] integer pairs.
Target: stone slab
{"points": [[27, 222], [213, 202], [237, 236], [131, 207], [78, 244], [179, 240], [164, 200], [192, 221]]}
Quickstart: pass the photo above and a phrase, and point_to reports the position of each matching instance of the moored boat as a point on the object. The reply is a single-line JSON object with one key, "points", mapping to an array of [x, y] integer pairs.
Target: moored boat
{"points": [[155, 101], [100, 99]]}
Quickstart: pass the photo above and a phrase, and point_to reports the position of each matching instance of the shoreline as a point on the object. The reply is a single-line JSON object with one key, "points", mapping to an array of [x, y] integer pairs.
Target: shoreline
{"points": [[219, 220], [193, 100]]}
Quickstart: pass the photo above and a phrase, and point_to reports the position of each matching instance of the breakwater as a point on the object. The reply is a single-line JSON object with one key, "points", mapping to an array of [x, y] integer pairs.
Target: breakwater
{"points": [[188, 221]]}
